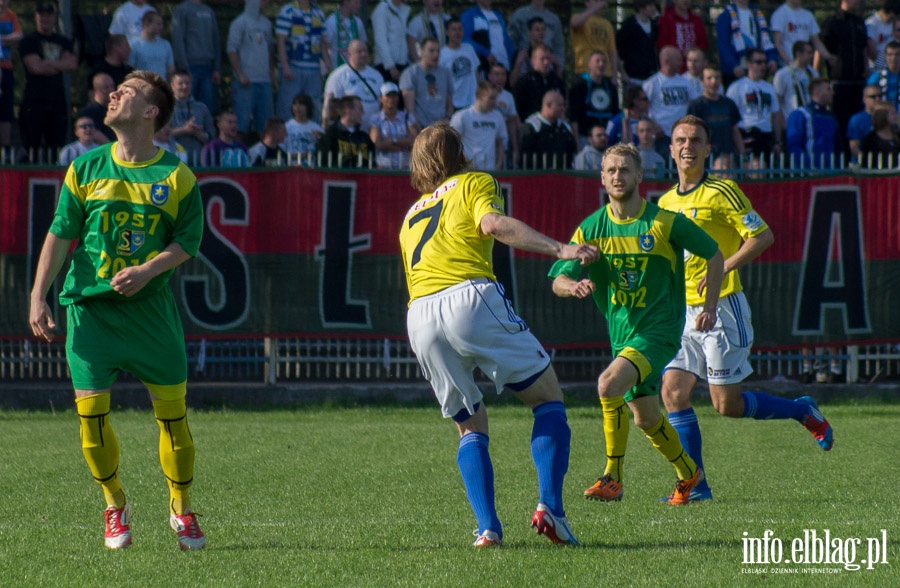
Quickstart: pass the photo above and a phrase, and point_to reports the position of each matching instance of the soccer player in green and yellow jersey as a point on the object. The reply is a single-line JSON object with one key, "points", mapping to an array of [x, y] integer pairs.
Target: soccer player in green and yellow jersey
{"points": [[719, 356], [638, 285], [136, 213], [459, 319]]}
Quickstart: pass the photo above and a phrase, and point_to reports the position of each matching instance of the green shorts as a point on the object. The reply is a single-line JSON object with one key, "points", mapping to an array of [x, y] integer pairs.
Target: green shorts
{"points": [[141, 336], [650, 357]]}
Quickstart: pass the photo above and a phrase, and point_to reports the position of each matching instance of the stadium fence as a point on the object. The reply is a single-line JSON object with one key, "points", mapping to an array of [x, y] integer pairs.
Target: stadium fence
{"points": [[272, 360]]}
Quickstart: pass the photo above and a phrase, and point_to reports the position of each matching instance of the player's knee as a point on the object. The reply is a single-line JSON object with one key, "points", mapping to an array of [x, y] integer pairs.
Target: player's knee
{"points": [[605, 387], [729, 405]]}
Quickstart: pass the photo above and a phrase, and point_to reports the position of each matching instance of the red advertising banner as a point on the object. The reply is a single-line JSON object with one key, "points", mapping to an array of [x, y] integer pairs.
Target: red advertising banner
{"points": [[300, 251]]}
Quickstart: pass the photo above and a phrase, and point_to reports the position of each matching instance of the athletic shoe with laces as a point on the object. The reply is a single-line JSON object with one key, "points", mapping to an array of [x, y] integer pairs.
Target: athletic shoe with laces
{"points": [[188, 529], [605, 489], [816, 424], [118, 526], [697, 495], [487, 539], [683, 488], [554, 528]]}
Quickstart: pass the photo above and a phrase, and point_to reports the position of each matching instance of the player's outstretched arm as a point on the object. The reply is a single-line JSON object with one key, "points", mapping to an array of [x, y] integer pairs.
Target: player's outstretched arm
{"points": [[565, 287], [53, 254], [517, 234], [715, 272], [130, 280]]}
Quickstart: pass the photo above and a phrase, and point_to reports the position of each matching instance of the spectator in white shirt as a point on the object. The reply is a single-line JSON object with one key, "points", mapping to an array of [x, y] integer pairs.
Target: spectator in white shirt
{"points": [[302, 133], [483, 129], [354, 78], [669, 93], [462, 61], [84, 131], [431, 22], [389, 33], [591, 155], [791, 82]]}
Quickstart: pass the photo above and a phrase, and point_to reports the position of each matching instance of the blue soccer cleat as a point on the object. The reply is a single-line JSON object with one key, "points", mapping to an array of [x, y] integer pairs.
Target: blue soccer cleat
{"points": [[816, 424]]}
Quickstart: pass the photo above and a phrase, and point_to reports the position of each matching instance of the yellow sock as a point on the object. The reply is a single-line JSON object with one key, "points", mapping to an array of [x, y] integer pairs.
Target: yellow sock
{"points": [[176, 450], [665, 439], [100, 446], [615, 430]]}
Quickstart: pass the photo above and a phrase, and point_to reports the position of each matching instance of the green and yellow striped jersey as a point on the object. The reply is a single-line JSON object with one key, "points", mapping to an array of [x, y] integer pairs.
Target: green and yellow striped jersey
{"points": [[124, 214], [639, 277]]}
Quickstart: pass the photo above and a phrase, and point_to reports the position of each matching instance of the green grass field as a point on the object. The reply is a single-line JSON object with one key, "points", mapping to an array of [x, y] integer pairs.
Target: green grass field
{"points": [[371, 496]]}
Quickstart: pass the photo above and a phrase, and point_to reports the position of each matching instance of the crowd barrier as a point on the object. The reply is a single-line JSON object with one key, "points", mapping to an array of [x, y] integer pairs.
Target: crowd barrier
{"points": [[299, 274]]}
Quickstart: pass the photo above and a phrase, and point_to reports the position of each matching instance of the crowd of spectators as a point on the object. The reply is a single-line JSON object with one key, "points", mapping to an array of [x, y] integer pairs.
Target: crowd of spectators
{"points": [[525, 89]]}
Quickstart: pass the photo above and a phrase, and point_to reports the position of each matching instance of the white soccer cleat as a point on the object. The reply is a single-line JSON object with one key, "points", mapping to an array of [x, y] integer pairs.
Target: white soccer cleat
{"points": [[554, 528], [487, 539], [118, 527], [188, 529]]}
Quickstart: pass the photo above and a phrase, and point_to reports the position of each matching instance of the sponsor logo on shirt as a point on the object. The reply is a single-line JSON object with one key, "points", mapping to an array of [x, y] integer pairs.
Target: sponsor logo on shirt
{"points": [[752, 220]]}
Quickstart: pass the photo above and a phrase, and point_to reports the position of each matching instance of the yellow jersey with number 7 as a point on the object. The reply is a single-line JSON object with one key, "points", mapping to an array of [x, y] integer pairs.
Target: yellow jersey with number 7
{"points": [[441, 239]]}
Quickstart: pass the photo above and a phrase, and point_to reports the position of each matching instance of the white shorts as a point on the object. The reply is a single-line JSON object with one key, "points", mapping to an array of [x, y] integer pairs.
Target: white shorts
{"points": [[719, 356], [472, 325]]}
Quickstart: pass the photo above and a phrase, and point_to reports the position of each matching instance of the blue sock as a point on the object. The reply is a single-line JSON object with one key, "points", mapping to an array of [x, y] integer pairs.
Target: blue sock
{"points": [[685, 422], [478, 477], [550, 440], [762, 406]]}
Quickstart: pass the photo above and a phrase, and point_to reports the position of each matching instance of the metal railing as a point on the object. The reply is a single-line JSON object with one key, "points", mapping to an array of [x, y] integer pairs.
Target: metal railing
{"points": [[320, 359], [770, 166]]}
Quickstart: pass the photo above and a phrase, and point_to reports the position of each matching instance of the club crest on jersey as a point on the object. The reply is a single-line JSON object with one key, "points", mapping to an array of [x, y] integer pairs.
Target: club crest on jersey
{"points": [[628, 279], [159, 194], [752, 220], [646, 242], [130, 241]]}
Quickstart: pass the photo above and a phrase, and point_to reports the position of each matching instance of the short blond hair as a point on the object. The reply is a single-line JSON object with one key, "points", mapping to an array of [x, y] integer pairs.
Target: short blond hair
{"points": [[626, 150], [437, 154]]}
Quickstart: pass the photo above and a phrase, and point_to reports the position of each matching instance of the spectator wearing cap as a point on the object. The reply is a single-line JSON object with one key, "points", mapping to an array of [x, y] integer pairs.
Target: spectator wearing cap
{"points": [[354, 78], [462, 62], [46, 56], [392, 130], [302, 131], [427, 86], [84, 133]]}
